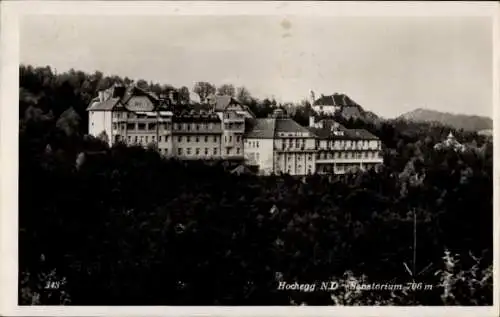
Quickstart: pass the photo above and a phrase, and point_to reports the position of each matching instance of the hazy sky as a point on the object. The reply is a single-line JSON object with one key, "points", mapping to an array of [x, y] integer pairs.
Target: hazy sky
{"points": [[389, 65]]}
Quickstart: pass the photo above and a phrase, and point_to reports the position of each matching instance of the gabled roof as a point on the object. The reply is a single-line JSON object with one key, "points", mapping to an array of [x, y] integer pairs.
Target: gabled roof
{"points": [[221, 102], [262, 128], [105, 105], [289, 125], [122, 95], [341, 100]]}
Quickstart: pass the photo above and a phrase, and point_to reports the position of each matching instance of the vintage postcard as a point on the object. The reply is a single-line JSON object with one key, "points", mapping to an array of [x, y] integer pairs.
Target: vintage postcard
{"points": [[249, 158]]}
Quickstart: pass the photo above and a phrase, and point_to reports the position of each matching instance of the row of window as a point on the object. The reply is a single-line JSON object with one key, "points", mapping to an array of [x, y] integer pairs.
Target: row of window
{"points": [[299, 157], [233, 125], [342, 167], [289, 169], [238, 138], [252, 144], [197, 151], [142, 126], [344, 144], [365, 154], [297, 143], [197, 138]]}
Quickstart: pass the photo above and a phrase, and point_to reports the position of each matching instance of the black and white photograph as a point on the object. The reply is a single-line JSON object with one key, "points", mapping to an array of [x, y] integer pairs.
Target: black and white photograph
{"points": [[290, 155]]}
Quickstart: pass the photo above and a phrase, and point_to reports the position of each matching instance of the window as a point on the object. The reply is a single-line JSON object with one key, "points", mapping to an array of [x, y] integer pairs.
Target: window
{"points": [[188, 127], [136, 139], [257, 144], [227, 151], [188, 150], [230, 138], [188, 138], [146, 139], [152, 138], [142, 139], [166, 138], [225, 138], [309, 157], [237, 150], [179, 138], [152, 126], [130, 126], [238, 138], [129, 139], [179, 151], [206, 138], [197, 151], [176, 126], [197, 139], [206, 151], [197, 127], [215, 138], [300, 166], [141, 126], [114, 126], [159, 138], [215, 151], [165, 150]]}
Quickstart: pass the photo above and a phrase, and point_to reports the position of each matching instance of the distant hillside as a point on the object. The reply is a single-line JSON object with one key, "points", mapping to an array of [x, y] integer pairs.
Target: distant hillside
{"points": [[457, 121]]}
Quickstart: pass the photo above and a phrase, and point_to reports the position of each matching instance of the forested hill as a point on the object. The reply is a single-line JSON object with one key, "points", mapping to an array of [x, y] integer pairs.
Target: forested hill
{"points": [[458, 121], [124, 226]]}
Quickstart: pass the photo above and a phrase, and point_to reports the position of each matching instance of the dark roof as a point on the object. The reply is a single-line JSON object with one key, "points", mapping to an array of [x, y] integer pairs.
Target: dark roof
{"points": [[335, 99], [325, 101], [120, 94], [105, 105], [361, 134], [241, 169], [262, 128], [349, 134], [289, 125], [221, 102]]}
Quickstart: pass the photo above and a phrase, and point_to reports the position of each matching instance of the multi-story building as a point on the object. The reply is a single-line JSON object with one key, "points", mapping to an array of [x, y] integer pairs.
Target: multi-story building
{"points": [[340, 150], [230, 131], [279, 144], [233, 116], [196, 135]]}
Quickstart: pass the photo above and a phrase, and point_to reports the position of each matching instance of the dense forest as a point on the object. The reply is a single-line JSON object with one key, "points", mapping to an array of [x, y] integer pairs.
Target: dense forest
{"points": [[124, 226]]}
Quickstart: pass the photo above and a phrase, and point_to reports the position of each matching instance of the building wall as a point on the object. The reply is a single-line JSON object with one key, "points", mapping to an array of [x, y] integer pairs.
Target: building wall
{"points": [[295, 154], [100, 121], [259, 152], [196, 146]]}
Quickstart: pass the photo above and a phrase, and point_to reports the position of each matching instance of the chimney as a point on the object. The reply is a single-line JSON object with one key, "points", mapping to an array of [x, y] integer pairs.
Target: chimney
{"points": [[101, 96], [313, 98]]}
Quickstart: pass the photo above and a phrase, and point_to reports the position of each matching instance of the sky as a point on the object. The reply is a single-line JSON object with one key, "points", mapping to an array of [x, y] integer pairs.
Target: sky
{"points": [[389, 65]]}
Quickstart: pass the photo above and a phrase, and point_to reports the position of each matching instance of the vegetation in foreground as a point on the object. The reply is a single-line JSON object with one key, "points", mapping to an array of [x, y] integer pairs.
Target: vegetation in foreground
{"points": [[123, 226]]}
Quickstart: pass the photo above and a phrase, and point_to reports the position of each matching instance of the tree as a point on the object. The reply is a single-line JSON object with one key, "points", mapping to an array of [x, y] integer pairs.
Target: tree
{"points": [[141, 83], [184, 95], [243, 95], [226, 89], [203, 90]]}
